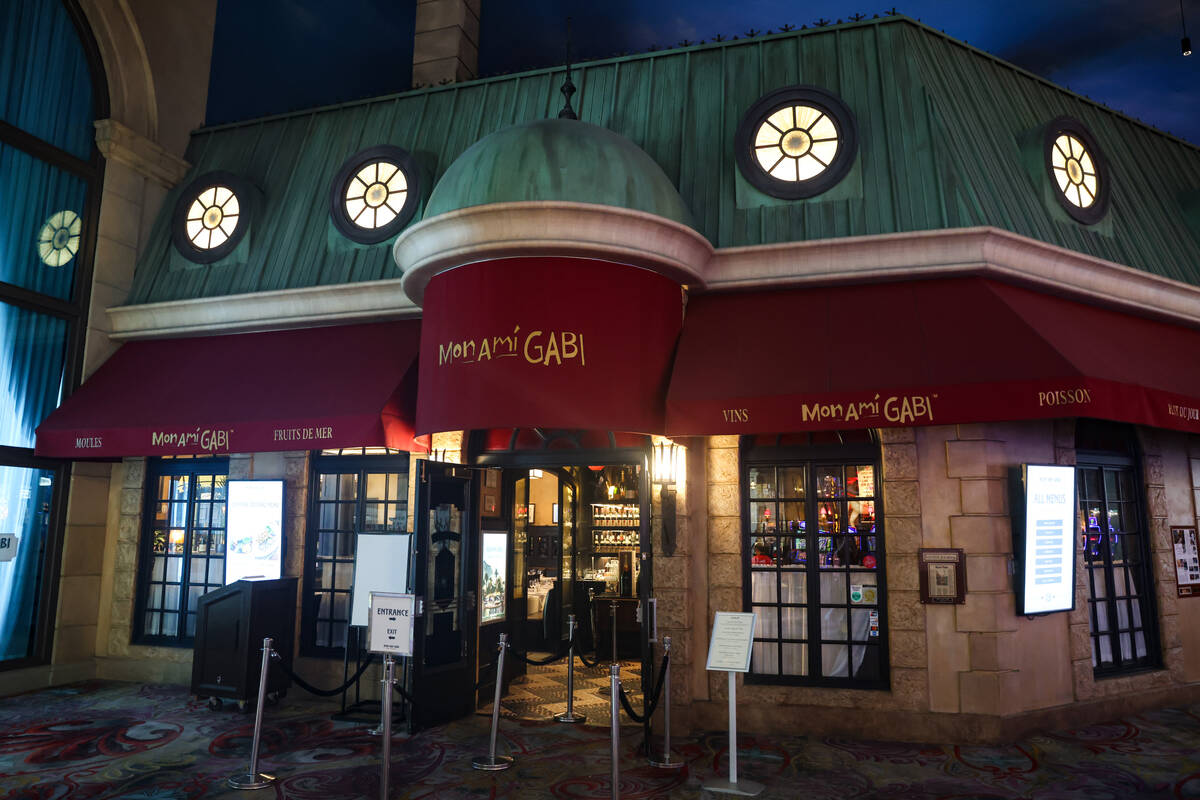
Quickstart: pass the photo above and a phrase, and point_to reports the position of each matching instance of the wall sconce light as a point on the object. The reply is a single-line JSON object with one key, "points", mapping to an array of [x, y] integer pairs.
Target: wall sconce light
{"points": [[663, 472]]}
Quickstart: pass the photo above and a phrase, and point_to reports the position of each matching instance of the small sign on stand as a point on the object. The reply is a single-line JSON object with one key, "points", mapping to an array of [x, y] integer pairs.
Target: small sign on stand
{"points": [[729, 650], [8, 546], [389, 631]]}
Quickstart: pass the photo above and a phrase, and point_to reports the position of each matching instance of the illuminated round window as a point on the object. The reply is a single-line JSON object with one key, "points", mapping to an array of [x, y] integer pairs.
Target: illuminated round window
{"points": [[211, 217], [374, 194], [1075, 166], [796, 142], [58, 240]]}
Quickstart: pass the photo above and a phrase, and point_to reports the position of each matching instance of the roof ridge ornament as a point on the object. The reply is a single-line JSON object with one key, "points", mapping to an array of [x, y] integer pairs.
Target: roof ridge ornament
{"points": [[568, 88]]}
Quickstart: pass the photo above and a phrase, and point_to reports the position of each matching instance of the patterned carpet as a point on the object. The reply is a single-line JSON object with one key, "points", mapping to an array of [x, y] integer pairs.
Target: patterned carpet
{"points": [[103, 741]]}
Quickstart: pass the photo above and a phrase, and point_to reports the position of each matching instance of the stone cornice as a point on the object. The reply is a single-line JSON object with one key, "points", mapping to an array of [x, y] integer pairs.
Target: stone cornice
{"points": [[125, 145], [368, 301], [581, 230], [989, 252]]}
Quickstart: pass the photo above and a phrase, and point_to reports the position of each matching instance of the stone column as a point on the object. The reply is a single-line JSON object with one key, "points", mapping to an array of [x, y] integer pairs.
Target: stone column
{"points": [[445, 42]]}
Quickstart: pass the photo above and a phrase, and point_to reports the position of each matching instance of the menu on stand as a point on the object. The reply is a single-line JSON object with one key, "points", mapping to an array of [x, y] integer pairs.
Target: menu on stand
{"points": [[732, 638], [1049, 563]]}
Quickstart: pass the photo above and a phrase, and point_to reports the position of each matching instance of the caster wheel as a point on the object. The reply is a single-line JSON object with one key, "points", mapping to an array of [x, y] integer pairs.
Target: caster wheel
{"points": [[243, 706], [215, 704]]}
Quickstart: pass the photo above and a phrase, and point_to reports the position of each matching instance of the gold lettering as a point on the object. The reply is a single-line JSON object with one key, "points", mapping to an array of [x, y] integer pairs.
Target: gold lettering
{"points": [[537, 348], [552, 350]]}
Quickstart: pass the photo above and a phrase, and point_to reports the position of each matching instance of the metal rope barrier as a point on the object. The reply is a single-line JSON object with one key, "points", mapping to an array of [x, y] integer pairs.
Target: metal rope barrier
{"points": [[308, 687], [538, 662], [639, 718]]}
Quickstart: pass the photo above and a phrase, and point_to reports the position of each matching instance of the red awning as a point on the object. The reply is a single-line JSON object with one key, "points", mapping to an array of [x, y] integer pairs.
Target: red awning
{"points": [[547, 342], [923, 353], [315, 388]]}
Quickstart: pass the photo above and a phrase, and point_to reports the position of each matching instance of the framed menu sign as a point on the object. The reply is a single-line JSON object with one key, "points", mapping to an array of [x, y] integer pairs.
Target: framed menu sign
{"points": [[1187, 561], [732, 637], [943, 575]]}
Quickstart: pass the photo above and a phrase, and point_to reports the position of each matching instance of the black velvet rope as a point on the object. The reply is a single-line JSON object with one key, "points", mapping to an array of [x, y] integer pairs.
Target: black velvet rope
{"points": [[633, 715], [540, 662], [308, 687], [586, 663]]}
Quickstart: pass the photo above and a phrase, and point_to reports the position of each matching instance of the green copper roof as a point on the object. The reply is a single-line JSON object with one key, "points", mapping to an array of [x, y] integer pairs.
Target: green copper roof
{"points": [[557, 159], [944, 141]]}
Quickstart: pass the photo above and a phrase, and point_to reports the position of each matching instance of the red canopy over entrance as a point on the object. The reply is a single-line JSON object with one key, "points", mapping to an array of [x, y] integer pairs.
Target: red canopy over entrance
{"points": [[923, 353], [547, 342], [345, 386]]}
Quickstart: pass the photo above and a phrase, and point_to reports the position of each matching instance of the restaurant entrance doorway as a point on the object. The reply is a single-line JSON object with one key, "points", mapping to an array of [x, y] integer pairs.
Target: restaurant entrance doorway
{"points": [[563, 533]]}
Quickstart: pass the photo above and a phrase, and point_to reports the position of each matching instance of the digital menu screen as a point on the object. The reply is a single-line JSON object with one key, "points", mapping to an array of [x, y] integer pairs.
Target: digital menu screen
{"points": [[495, 582], [1047, 573], [254, 532]]}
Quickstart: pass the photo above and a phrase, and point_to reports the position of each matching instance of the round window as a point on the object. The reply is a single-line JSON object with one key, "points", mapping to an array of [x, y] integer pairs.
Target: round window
{"points": [[1076, 170], [796, 142], [210, 218], [58, 240], [374, 194]]}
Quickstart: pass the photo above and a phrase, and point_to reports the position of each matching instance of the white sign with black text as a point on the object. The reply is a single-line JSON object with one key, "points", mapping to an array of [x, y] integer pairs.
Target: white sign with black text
{"points": [[1049, 578], [390, 623], [8, 546], [732, 639]]}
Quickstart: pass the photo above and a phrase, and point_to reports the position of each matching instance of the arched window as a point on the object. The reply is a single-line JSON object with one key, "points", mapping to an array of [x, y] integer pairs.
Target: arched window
{"points": [[51, 91]]}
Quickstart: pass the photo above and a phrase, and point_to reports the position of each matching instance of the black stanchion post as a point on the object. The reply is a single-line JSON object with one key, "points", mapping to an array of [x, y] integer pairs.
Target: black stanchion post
{"points": [[255, 779], [616, 731], [569, 715], [492, 762], [665, 762], [385, 723]]}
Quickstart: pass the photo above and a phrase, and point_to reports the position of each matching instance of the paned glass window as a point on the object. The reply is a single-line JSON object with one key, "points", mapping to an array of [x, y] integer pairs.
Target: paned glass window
{"points": [[814, 561], [796, 142], [1077, 169], [1074, 170], [26, 502], [374, 194], [183, 549], [33, 349], [212, 217], [1116, 558], [353, 494]]}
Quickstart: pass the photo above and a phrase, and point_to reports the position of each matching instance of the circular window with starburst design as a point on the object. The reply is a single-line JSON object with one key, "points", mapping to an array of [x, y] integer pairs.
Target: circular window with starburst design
{"points": [[211, 217], [374, 194], [796, 142], [1077, 170], [58, 240]]}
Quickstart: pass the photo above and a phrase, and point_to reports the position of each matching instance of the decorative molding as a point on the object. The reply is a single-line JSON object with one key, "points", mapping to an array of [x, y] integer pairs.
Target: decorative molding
{"points": [[126, 146], [368, 301], [645, 240], [989, 252], [548, 228]]}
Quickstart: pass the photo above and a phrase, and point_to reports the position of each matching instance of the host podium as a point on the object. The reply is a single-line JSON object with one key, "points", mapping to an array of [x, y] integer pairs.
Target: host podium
{"points": [[231, 623]]}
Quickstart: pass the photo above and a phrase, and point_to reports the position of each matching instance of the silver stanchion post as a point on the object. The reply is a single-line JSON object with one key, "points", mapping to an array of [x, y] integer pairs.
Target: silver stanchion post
{"points": [[255, 779], [492, 762], [616, 731], [665, 762], [385, 724], [612, 614], [569, 715]]}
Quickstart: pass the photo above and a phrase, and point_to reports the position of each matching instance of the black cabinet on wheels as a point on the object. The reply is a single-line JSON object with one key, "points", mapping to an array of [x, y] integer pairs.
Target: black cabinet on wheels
{"points": [[231, 624]]}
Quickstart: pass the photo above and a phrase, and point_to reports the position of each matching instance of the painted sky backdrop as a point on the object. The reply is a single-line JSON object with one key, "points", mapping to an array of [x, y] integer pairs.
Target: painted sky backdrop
{"points": [[271, 56]]}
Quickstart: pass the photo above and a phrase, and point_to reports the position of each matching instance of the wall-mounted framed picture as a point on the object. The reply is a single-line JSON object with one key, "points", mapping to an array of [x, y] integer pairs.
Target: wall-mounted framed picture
{"points": [[489, 500], [1186, 545], [943, 575]]}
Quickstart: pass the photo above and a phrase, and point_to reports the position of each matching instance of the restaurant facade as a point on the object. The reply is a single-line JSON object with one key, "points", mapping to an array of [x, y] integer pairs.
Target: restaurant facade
{"points": [[856, 328]]}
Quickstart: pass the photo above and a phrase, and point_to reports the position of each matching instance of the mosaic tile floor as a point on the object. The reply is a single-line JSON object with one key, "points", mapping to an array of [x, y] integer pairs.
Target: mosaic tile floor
{"points": [[542, 691]]}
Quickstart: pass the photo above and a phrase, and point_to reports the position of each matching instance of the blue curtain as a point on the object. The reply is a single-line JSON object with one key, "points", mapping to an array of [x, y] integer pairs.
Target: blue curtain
{"points": [[32, 354], [25, 500], [41, 223], [45, 85]]}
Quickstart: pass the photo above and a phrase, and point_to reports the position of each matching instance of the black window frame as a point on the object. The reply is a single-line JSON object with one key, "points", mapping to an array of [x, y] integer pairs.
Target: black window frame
{"points": [[169, 468], [1129, 464], [329, 464], [811, 457]]}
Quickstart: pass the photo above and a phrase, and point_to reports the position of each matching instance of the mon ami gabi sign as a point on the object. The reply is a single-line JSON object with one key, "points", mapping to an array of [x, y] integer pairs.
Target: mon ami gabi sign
{"points": [[546, 342]]}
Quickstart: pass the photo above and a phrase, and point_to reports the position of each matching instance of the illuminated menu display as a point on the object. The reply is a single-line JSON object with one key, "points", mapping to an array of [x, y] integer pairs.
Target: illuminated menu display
{"points": [[1049, 564], [255, 530]]}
